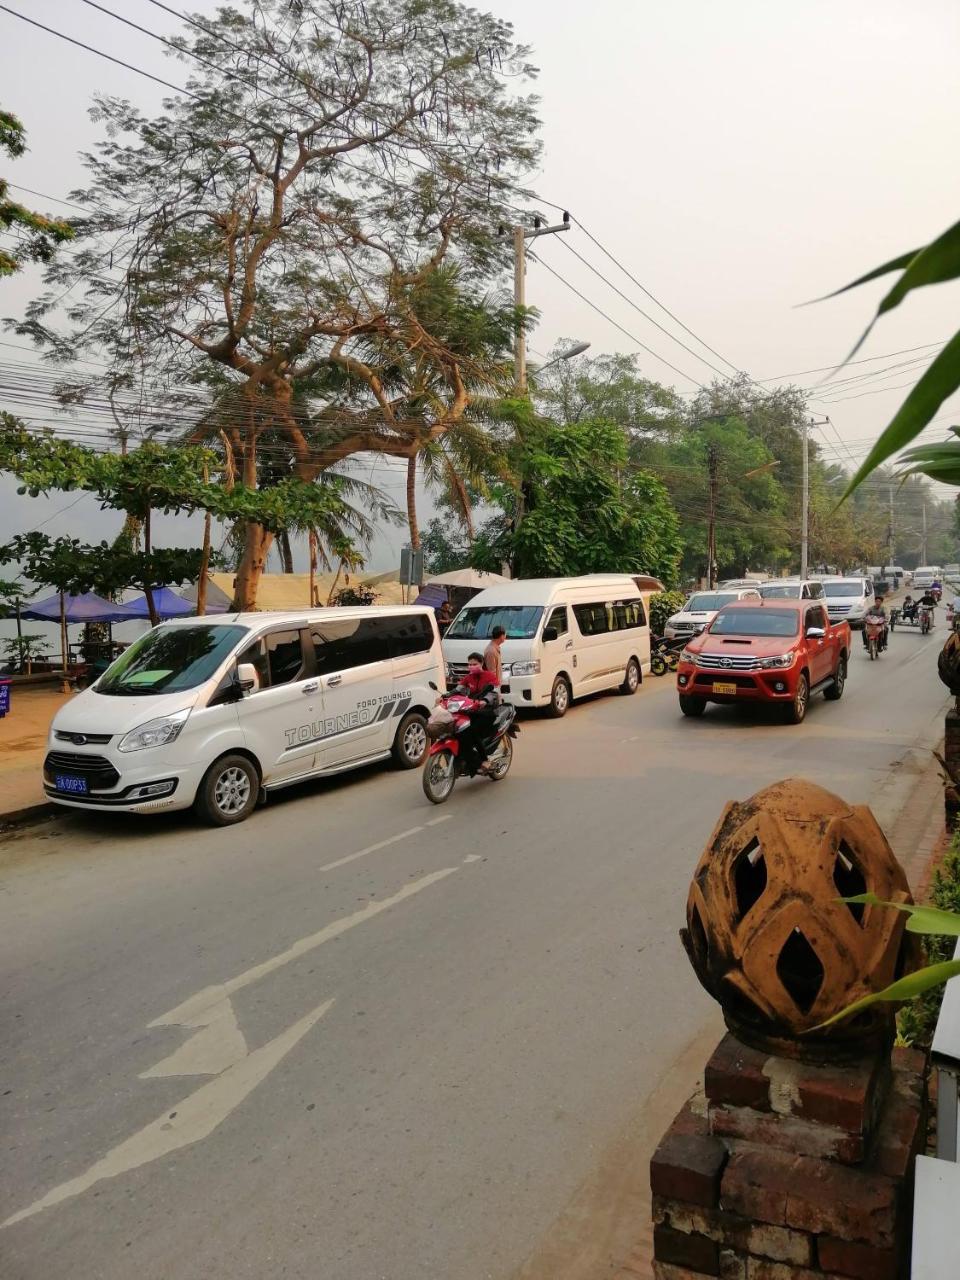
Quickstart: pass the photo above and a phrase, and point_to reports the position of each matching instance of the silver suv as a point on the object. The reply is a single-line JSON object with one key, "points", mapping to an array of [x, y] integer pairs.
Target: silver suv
{"points": [[791, 589]]}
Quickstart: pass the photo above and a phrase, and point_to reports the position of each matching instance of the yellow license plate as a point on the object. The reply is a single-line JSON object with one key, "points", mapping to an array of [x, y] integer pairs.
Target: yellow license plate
{"points": [[724, 688]]}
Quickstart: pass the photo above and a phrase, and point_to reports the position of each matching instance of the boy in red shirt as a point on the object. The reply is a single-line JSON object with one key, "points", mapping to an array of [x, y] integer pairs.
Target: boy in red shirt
{"points": [[482, 686]]}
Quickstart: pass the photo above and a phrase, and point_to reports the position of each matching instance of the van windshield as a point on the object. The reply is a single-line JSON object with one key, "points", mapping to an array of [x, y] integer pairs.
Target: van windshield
{"points": [[756, 622], [168, 660], [850, 587], [519, 621]]}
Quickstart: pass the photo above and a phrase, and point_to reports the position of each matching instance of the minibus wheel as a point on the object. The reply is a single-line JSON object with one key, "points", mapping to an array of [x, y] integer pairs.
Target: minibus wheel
{"points": [[559, 698], [229, 791]]}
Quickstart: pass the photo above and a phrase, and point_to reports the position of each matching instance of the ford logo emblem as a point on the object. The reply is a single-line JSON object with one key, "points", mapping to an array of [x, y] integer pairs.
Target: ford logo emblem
{"points": [[78, 739]]}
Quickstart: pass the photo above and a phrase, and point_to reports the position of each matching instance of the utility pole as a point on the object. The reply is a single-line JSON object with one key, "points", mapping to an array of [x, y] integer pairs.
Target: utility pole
{"points": [[923, 537], [520, 238], [713, 468], [890, 530], [805, 516]]}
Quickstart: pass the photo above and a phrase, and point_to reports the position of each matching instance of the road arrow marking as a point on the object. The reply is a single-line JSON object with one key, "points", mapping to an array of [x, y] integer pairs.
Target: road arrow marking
{"points": [[191, 1120], [217, 1046]]}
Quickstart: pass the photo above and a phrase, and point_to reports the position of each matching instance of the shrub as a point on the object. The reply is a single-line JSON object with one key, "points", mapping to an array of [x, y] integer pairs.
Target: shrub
{"points": [[662, 606], [917, 1020]]}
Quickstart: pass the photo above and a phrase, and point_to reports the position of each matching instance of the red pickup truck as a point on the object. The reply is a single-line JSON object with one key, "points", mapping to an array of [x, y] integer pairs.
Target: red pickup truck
{"points": [[778, 651]]}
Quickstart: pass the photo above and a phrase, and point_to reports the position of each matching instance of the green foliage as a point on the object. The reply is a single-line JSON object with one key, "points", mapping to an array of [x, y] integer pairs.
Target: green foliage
{"points": [[935, 263], [35, 236], [71, 566], [586, 509], [361, 594], [440, 553], [662, 606], [940, 924], [20, 651]]}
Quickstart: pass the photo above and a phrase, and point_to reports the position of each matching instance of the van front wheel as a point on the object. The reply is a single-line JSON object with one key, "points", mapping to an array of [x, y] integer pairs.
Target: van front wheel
{"points": [[229, 791], [559, 698]]}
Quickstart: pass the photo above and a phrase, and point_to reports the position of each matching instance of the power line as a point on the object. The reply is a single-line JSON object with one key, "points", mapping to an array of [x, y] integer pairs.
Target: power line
{"points": [[42, 195], [616, 325], [866, 360], [640, 309]]}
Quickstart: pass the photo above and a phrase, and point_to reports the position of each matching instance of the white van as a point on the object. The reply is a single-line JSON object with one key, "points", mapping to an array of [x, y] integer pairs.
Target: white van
{"points": [[848, 599], [217, 712], [566, 637], [926, 574]]}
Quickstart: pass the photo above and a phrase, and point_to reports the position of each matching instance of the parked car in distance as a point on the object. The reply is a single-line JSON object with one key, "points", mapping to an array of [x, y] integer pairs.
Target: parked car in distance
{"points": [[701, 609], [565, 637], [951, 570], [791, 589], [848, 598], [774, 651], [925, 575], [216, 712], [729, 583]]}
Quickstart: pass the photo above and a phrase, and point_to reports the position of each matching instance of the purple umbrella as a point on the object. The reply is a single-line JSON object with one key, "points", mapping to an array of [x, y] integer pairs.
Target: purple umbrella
{"points": [[166, 603], [86, 608]]}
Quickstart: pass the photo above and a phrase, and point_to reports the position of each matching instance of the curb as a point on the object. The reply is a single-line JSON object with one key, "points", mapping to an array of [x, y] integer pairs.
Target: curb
{"points": [[27, 816]]}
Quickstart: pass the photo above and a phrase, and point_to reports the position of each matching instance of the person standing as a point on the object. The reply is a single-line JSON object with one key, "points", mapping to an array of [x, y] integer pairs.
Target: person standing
{"points": [[492, 661]]}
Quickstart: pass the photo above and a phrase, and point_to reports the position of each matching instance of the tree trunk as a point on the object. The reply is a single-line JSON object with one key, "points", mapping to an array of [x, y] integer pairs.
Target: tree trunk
{"points": [[286, 551], [412, 503], [148, 585], [313, 569], [257, 542]]}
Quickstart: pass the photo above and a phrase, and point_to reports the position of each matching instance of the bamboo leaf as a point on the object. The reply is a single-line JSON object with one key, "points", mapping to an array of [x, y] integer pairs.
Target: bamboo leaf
{"points": [[940, 380], [922, 919], [936, 263], [896, 264], [908, 988]]}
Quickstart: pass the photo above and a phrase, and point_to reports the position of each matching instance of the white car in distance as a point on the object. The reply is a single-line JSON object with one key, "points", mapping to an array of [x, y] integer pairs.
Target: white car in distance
{"points": [[701, 609]]}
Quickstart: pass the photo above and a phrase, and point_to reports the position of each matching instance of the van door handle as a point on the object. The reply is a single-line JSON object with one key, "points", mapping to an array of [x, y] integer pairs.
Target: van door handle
{"points": [[312, 687], [568, 645], [334, 680]]}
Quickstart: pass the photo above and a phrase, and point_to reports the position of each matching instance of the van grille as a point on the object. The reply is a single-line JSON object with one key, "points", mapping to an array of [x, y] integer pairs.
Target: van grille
{"points": [[99, 772], [79, 739]]}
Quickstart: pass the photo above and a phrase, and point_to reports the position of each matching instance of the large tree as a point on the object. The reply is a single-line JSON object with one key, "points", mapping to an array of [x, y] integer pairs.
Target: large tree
{"points": [[287, 219], [29, 236]]}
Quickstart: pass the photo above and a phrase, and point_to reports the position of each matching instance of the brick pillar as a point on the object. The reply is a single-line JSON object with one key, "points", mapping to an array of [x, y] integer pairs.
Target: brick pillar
{"points": [[783, 1170], [951, 753]]}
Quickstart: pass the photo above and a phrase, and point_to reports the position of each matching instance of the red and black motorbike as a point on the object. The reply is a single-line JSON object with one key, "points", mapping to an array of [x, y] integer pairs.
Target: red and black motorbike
{"points": [[445, 763]]}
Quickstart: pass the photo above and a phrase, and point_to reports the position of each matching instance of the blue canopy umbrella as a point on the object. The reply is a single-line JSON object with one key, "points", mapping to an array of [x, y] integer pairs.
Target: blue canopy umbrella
{"points": [[88, 607], [166, 603]]}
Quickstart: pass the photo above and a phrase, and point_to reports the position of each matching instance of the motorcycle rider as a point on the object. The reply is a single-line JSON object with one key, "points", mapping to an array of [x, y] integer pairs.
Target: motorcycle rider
{"points": [[930, 600], [877, 611], [482, 686], [909, 608]]}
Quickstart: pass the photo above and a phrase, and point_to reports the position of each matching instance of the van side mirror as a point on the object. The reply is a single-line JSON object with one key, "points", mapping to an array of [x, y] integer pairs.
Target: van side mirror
{"points": [[551, 633], [247, 677]]}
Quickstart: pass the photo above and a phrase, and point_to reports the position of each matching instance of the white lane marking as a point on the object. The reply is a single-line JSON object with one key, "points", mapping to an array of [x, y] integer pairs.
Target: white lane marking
{"points": [[195, 1011], [219, 1045], [473, 857], [917, 656], [191, 1120], [382, 844]]}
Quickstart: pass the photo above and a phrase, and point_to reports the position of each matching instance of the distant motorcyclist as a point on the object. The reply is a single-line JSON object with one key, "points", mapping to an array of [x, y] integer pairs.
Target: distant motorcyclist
{"points": [[482, 686], [930, 600], [877, 610]]}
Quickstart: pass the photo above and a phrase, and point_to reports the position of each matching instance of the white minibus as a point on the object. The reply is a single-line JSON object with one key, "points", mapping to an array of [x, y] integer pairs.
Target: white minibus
{"points": [[218, 712], [565, 637]]}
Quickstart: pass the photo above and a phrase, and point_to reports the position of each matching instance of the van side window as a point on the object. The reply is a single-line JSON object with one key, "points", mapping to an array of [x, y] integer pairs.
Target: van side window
{"points": [[629, 614], [354, 642], [558, 620], [257, 657], [592, 619], [407, 633], [285, 656]]}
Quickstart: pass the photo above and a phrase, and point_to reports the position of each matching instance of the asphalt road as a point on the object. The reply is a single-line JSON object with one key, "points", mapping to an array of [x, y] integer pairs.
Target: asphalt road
{"points": [[389, 1040]]}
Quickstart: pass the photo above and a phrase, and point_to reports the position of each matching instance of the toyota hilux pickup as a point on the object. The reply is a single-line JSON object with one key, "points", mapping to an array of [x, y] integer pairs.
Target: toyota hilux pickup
{"points": [[775, 651]]}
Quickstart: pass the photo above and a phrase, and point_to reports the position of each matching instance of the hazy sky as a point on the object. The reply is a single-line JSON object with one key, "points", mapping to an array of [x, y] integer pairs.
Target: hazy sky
{"points": [[738, 158]]}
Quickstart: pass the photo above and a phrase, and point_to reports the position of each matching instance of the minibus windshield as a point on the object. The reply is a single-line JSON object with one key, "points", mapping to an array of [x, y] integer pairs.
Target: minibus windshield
{"points": [[168, 660], [519, 621]]}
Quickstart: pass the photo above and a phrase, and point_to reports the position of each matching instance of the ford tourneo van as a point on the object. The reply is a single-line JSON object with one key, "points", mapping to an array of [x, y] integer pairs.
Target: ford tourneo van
{"points": [[566, 637], [218, 712]]}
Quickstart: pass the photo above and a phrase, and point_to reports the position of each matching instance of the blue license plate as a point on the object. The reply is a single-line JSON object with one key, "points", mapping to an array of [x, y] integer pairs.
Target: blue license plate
{"points": [[70, 784]]}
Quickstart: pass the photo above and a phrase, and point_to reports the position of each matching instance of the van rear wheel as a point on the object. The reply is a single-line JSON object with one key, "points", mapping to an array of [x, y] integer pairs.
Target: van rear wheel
{"points": [[229, 791], [631, 679], [410, 744]]}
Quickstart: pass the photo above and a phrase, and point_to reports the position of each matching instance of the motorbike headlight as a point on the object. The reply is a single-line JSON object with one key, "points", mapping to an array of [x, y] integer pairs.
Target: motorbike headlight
{"points": [[781, 660], [531, 668], [155, 733]]}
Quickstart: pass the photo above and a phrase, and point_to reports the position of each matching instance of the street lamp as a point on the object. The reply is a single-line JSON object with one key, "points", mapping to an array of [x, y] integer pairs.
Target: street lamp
{"points": [[576, 350]]}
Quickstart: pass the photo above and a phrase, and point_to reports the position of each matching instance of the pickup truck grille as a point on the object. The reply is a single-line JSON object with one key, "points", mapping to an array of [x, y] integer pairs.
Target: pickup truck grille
{"points": [[727, 662]]}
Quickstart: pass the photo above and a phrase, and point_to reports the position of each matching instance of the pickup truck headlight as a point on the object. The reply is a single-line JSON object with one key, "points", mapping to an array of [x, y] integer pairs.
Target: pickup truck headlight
{"points": [[672, 622], [531, 668], [155, 733], [781, 660], [688, 655]]}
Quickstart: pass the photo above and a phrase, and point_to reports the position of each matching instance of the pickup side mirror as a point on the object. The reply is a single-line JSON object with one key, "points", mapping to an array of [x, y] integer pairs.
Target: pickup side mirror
{"points": [[815, 633], [247, 677], [551, 633]]}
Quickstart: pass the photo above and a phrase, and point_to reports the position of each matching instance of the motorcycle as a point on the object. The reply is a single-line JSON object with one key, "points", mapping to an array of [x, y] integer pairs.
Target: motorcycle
{"points": [[925, 617], [445, 764], [873, 632], [665, 654]]}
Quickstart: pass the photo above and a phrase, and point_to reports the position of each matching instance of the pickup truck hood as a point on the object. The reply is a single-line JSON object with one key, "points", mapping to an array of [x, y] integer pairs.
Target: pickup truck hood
{"points": [[743, 646]]}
